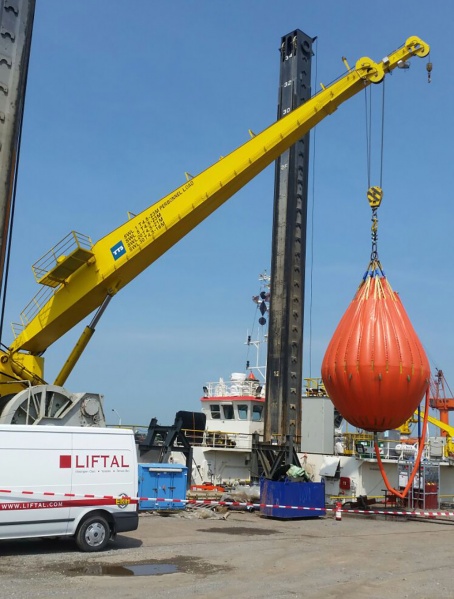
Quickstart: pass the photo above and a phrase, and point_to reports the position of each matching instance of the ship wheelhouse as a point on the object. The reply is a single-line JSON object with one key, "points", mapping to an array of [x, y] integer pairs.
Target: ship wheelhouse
{"points": [[234, 409]]}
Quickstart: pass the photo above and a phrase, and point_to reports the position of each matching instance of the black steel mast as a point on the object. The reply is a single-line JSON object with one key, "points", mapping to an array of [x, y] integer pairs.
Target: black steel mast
{"points": [[285, 340], [284, 372]]}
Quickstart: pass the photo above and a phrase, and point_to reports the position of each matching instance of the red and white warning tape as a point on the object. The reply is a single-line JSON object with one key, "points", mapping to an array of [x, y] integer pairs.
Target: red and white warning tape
{"points": [[110, 499]]}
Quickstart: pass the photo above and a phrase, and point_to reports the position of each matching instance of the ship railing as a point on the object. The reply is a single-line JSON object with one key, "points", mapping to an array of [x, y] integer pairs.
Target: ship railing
{"points": [[361, 445], [235, 388], [219, 439], [203, 438], [314, 387]]}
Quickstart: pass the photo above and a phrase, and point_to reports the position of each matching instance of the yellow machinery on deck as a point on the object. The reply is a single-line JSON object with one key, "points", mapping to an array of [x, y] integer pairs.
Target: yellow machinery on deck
{"points": [[79, 277]]}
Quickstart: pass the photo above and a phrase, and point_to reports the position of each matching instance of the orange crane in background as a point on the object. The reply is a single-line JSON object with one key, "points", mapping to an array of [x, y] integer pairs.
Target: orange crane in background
{"points": [[439, 400]]}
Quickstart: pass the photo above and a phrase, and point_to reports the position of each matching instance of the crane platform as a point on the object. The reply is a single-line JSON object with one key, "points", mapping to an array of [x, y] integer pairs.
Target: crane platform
{"points": [[72, 252]]}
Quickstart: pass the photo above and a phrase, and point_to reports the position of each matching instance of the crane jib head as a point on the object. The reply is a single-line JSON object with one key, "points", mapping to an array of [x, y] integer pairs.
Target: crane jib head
{"points": [[416, 46], [375, 72]]}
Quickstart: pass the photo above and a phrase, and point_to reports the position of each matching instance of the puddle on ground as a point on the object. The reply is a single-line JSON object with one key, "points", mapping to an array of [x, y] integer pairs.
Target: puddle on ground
{"points": [[129, 570], [241, 530], [152, 569], [179, 563]]}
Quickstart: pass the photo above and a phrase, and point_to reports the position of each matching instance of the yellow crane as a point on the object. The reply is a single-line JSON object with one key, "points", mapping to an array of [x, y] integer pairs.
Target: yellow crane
{"points": [[448, 449], [78, 277]]}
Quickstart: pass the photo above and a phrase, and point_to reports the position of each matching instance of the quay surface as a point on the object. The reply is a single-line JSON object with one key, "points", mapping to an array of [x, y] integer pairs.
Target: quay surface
{"points": [[244, 555]]}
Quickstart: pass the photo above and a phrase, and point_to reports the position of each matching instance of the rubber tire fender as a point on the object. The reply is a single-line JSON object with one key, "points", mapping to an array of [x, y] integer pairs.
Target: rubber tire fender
{"points": [[93, 533]]}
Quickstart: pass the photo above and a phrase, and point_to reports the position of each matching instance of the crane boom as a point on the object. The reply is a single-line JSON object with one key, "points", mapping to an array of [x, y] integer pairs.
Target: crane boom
{"points": [[116, 259]]}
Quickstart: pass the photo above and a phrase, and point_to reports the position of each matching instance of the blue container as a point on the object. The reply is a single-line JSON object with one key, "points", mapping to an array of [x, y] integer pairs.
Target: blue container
{"points": [[288, 493], [162, 481]]}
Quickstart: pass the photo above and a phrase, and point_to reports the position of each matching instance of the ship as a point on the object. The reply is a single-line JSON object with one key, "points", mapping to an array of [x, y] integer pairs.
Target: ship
{"points": [[332, 452], [233, 410]]}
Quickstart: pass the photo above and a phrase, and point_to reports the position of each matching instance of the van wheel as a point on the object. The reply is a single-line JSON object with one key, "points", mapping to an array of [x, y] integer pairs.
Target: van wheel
{"points": [[93, 534]]}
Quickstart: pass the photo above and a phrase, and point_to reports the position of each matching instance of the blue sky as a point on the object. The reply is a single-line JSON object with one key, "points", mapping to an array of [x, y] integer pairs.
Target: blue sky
{"points": [[123, 98]]}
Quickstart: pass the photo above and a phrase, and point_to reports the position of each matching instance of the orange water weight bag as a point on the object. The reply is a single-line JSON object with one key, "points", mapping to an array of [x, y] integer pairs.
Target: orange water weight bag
{"points": [[375, 369]]}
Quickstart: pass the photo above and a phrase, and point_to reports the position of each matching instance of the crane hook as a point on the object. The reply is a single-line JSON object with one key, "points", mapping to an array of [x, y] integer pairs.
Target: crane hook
{"points": [[374, 196], [429, 72]]}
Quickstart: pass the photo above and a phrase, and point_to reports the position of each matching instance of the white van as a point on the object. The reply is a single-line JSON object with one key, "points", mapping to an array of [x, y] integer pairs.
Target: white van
{"points": [[67, 481]]}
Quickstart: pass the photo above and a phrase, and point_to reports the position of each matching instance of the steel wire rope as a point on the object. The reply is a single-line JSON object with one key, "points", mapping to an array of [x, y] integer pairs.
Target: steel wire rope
{"points": [[434, 362], [369, 133], [311, 267], [368, 114], [447, 386], [421, 433], [382, 144], [368, 118]]}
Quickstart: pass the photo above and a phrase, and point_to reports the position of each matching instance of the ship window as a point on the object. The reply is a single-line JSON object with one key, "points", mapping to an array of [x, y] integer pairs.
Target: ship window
{"points": [[228, 412], [257, 413], [242, 412], [215, 411]]}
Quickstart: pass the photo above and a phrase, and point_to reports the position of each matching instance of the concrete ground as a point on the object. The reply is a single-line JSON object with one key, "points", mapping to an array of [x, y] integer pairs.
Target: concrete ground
{"points": [[243, 555]]}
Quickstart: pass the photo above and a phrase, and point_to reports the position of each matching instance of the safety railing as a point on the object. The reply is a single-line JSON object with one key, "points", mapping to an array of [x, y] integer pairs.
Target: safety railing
{"points": [[63, 259], [34, 306], [209, 439]]}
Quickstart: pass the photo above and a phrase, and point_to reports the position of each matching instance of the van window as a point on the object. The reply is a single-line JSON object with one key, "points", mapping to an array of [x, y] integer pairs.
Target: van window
{"points": [[242, 412]]}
